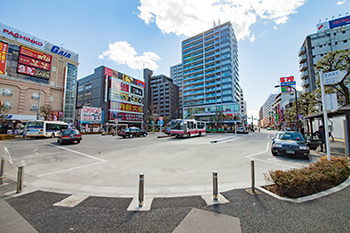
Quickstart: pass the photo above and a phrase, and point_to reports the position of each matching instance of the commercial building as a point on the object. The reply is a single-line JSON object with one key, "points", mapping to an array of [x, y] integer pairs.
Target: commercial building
{"points": [[176, 76], [210, 84], [165, 95], [268, 112], [332, 35], [34, 72], [119, 96]]}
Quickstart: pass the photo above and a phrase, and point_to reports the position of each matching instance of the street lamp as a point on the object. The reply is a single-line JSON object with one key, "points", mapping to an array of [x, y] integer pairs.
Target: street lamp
{"points": [[296, 101]]}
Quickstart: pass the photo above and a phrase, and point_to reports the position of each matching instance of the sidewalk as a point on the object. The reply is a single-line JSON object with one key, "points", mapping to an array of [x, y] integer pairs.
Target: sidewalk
{"points": [[337, 148]]}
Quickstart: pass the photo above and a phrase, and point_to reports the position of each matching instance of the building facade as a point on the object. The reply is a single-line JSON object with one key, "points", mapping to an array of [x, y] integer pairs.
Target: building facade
{"points": [[333, 35], [210, 84], [119, 96], [34, 72], [268, 111], [176, 76], [165, 95]]}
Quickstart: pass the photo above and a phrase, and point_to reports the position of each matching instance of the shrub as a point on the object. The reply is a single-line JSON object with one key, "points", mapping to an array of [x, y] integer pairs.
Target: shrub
{"points": [[7, 136], [310, 179]]}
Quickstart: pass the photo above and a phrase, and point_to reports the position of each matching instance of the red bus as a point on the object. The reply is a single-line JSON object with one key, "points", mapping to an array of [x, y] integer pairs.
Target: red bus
{"points": [[187, 128]]}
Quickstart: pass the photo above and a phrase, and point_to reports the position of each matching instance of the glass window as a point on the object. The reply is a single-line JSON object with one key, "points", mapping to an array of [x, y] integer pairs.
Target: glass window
{"points": [[34, 107], [7, 91], [35, 95]]}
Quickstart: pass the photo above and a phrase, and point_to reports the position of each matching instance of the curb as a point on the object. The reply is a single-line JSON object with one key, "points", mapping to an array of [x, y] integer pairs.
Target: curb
{"points": [[327, 192]]}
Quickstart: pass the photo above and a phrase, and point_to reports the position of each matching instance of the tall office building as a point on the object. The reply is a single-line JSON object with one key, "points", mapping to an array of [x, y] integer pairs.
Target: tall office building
{"points": [[210, 84], [164, 95], [333, 35], [176, 76]]}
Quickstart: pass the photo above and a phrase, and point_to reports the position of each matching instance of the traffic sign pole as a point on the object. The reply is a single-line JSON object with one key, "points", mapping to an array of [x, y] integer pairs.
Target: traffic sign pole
{"points": [[325, 117]]}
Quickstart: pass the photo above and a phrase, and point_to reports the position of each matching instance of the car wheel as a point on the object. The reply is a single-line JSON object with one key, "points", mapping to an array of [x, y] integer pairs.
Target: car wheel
{"points": [[78, 141], [61, 142], [53, 135], [124, 137], [189, 135], [200, 134], [274, 153], [144, 134], [130, 136]]}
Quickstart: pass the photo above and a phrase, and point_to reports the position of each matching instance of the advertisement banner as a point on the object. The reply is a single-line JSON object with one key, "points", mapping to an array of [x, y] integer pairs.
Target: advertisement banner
{"points": [[3, 57], [115, 106], [140, 83], [136, 91], [22, 69], [34, 62], [339, 22], [90, 115], [35, 54], [126, 116], [108, 71], [55, 116]]}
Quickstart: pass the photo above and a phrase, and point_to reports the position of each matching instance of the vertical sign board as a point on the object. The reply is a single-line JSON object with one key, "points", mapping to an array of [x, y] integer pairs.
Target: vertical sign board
{"points": [[286, 82], [3, 57]]}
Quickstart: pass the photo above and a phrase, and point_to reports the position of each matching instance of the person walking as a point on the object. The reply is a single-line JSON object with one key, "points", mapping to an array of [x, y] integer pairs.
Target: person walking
{"points": [[321, 135]]}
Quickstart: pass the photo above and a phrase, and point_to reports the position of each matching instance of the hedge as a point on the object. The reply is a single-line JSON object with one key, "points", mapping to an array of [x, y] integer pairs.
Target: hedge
{"points": [[310, 179]]}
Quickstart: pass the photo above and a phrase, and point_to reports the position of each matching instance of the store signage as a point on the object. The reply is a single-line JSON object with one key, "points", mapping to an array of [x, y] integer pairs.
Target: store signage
{"points": [[90, 115], [33, 62], [22, 36], [35, 54], [137, 91], [59, 51], [140, 83], [131, 117], [108, 71], [3, 57], [287, 83], [125, 107], [333, 77]]}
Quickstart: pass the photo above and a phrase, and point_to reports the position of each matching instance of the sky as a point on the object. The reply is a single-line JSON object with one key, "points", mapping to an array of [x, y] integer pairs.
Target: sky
{"points": [[129, 35]]}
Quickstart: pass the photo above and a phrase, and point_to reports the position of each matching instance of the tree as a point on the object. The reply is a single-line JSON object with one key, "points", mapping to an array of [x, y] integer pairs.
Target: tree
{"points": [[4, 109], [153, 113], [332, 61], [45, 111]]}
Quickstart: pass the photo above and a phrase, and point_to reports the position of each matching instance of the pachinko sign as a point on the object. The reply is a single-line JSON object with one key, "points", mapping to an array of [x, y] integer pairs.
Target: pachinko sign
{"points": [[120, 106], [90, 115], [3, 55]]}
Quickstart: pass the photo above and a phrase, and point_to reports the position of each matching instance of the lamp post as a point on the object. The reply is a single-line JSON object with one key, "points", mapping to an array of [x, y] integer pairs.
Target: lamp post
{"points": [[296, 102]]}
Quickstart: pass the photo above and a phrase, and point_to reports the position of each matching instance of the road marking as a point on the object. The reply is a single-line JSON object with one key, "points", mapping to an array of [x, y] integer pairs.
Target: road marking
{"points": [[9, 155], [70, 169], [71, 201], [259, 153], [80, 153]]}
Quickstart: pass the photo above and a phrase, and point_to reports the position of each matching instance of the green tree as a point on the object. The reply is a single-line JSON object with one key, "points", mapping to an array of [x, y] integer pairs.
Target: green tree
{"points": [[45, 111], [153, 113]]}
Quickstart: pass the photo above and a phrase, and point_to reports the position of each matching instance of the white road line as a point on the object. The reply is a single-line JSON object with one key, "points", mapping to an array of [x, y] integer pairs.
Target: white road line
{"points": [[69, 169], [267, 148], [80, 153]]}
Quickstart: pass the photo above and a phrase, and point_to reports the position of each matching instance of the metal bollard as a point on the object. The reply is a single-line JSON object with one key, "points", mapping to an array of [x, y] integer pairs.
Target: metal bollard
{"points": [[253, 176], [141, 189], [20, 179], [215, 185], [2, 171]]}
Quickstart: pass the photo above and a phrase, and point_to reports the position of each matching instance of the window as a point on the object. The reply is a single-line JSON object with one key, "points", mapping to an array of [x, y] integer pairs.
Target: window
{"points": [[7, 104], [35, 95], [88, 86], [51, 98], [34, 107], [80, 88], [345, 41], [7, 91]]}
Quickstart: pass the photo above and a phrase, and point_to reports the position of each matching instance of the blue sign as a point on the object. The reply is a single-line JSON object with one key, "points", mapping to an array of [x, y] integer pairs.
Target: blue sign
{"points": [[339, 22], [288, 83], [56, 49], [161, 122]]}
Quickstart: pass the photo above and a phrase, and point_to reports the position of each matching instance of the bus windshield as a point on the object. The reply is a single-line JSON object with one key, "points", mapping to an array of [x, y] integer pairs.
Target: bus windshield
{"points": [[176, 125], [35, 124]]}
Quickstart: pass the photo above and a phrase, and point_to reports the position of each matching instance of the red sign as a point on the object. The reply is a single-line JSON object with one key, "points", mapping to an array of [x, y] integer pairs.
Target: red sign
{"points": [[108, 72], [35, 54], [126, 116], [140, 83], [26, 70], [33, 62], [287, 79], [3, 55]]}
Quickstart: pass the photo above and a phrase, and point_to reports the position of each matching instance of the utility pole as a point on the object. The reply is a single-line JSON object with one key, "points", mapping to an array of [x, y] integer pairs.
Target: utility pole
{"points": [[37, 112]]}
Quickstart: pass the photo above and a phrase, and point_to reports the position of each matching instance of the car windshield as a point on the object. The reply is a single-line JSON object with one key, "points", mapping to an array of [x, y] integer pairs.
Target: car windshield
{"points": [[296, 136], [70, 131]]}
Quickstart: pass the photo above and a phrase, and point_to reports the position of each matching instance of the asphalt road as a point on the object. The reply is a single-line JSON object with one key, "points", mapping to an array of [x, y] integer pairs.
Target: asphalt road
{"points": [[110, 165]]}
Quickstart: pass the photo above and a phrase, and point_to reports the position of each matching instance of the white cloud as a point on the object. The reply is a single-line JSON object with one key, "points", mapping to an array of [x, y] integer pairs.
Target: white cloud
{"points": [[122, 53], [274, 27], [340, 3], [252, 39], [184, 17]]}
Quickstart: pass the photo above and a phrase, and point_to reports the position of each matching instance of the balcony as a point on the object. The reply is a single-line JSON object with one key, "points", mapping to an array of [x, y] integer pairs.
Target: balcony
{"points": [[302, 51], [302, 58], [305, 82], [303, 67], [304, 75]]}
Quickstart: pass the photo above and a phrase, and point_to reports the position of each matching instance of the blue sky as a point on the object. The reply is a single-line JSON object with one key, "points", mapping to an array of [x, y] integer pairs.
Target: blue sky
{"points": [[127, 35]]}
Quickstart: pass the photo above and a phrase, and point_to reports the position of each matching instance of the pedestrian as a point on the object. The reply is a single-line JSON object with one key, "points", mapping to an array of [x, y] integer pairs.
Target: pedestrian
{"points": [[321, 135], [302, 131]]}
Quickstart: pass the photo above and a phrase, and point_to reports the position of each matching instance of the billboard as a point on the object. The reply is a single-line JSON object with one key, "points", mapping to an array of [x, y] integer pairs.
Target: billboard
{"points": [[115, 106], [124, 116], [90, 115], [339, 22], [3, 57], [34, 63]]}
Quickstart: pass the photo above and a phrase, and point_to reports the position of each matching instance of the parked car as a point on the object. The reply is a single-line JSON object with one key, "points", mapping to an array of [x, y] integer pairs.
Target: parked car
{"points": [[290, 143], [69, 136], [132, 132], [167, 130]]}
